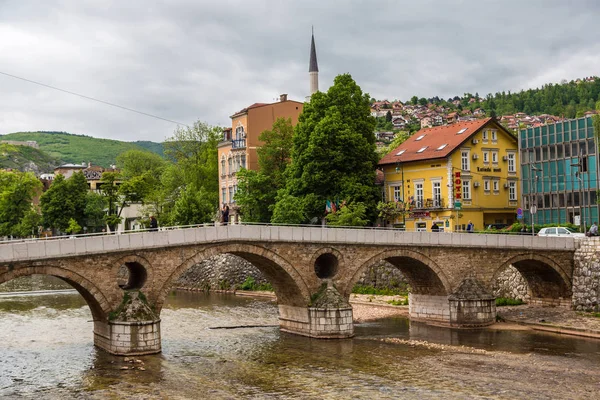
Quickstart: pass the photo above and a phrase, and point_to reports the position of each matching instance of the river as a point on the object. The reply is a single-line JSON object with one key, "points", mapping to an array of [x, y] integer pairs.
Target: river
{"points": [[47, 352]]}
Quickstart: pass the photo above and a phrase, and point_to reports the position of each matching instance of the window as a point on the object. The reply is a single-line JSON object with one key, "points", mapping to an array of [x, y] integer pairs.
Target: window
{"points": [[494, 157], [463, 130], [239, 133], [419, 195], [442, 146], [512, 191], [496, 186], [243, 161], [396, 193], [466, 190], [419, 138], [230, 165], [484, 136], [494, 135], [437, 194], [486, 157], [464, 161], [486, 185], [224, 195], [400, 152], [512, 166], [422, 149], [231, 194], [223, 172]]}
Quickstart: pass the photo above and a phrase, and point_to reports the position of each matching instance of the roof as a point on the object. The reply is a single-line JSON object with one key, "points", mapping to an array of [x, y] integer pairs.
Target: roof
{"points": [[312, 65], [257, 105], [432, 143]]}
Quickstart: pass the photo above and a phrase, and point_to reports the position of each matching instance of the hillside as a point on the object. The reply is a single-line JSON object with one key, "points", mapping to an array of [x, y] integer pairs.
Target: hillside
{"points": [[25, 158], [69, 148]]}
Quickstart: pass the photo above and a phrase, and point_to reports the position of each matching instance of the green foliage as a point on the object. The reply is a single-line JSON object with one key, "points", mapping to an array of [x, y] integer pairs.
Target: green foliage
{"points": [[65, 199], [95, 210], [21, 157], [250, 284], [403, 302], [79, 148], [257, 190], [383, 124], [28, 226], [17, 190], [389, 211], [400, 138], [288, 210], [73, 227], [353, 214], [361, 289], [503, 301], [333, 154]]}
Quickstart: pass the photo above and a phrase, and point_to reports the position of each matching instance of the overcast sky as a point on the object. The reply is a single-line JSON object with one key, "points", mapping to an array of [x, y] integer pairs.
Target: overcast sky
{"points": [[185, 60]]}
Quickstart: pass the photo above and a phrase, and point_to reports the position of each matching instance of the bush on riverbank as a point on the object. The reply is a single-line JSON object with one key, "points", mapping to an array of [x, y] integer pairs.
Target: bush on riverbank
{"points": [[250, 284], [364, 289], [503, 301], [403, 302]]}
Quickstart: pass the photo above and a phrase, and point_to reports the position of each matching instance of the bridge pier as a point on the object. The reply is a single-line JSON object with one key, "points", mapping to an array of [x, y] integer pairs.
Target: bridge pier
{"points": [[328, 317], [133, 329]]}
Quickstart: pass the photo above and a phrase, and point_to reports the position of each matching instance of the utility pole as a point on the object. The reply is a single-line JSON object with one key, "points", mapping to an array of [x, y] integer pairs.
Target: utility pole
{"points": [[581, 168]]}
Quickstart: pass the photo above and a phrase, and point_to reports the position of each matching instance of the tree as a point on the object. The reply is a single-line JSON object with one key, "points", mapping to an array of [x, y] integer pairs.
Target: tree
{"points": [[73, 227], [193, 150], [423, 101], [95, 210], [17, 190], [288, 210], [257, 190], [414, 100], [65, 199], [388, 116], [390, 211], [333, 155], [353, 214]]}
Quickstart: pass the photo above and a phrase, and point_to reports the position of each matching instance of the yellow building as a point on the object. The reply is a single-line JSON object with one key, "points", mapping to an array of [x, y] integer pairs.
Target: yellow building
{"points": [[238, 147], [453, 174]]}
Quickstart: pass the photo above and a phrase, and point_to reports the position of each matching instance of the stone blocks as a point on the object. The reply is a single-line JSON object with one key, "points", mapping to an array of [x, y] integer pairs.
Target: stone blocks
{"points": [[128, 338], [323, 323]]}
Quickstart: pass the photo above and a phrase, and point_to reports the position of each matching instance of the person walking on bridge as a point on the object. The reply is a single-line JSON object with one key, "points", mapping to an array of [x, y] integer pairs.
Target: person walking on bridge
{"points": [[153, 224]]}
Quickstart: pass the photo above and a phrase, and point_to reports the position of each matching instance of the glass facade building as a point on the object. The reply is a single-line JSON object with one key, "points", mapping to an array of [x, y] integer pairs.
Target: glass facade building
{"points": [[559, 172]]}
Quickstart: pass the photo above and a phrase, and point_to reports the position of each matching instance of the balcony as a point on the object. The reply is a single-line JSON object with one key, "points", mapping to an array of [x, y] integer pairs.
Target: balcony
{"points": [[429, 203], [238, 144]]}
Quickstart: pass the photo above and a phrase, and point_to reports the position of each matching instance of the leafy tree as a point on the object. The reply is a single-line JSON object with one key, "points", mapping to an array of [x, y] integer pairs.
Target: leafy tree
{"points": [[353, 214], [389, 211], [333, 155], [95, 209], [65, 199], [388, 116], [423, 101], [288, 210], [193, 150], [73, 227], [257, 190], [29, 224], [414, 100], [17, 190]]}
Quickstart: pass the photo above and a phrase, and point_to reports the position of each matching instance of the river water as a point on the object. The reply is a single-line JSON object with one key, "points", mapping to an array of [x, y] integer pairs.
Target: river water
{"points": [[47, 352]]}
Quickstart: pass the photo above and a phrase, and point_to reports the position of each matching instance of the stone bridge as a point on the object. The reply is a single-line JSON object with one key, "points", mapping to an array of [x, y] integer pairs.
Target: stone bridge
{"points": [[312, 270]]}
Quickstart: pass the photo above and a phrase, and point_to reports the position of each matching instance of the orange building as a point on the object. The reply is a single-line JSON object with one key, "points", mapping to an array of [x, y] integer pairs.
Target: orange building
{"points": [[238, 147]]}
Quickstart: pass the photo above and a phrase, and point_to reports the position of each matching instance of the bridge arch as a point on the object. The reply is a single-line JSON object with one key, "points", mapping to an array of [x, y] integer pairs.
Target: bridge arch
{"points": [[140, 271], [93, 296], [545, 277], [289, 286], [422, 273]]}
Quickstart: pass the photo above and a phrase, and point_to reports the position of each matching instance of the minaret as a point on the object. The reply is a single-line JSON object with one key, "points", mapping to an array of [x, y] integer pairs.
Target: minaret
{"points": [[313, 67]]}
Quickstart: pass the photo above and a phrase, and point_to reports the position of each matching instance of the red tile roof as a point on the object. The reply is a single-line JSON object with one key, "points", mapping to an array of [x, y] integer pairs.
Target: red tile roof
{"points": [[433, 139]]}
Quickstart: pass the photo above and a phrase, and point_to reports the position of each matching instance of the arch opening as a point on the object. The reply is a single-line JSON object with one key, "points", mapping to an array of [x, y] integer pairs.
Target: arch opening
{"points": [[326, 266], [132, 275], [542, 280], [421, 278]]}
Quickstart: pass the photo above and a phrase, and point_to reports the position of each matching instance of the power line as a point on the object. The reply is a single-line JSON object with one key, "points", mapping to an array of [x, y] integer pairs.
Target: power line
{"points": [[93, 99]]}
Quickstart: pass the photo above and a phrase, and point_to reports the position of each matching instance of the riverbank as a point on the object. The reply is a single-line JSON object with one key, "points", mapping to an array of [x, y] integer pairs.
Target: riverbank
{"points": [[550, 319]]}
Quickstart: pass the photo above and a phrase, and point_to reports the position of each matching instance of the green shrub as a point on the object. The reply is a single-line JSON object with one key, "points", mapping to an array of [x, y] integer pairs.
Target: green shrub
{"points": [[403, 302], [503, 301], [250, 284]]}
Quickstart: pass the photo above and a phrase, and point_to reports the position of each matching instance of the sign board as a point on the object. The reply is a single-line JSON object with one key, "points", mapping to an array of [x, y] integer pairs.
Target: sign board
{"points": [[519, 213], [457, 205], [533, 209], [457, 186], [577, 220]]}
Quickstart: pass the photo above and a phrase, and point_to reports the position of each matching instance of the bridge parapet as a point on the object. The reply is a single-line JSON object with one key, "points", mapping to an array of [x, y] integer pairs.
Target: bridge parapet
{"points": [[89, 245]]}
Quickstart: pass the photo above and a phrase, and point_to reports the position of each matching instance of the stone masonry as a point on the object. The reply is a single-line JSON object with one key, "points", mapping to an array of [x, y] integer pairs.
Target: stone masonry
{"points": [[586, 276], [297, 262]]}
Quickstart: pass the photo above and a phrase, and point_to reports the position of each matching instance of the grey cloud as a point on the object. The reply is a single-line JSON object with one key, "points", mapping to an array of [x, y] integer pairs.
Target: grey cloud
{"points": [[186, 60]]}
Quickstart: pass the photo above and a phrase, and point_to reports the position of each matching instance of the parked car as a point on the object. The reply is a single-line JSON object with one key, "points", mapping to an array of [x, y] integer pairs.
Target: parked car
{"points": [[559, 231]]}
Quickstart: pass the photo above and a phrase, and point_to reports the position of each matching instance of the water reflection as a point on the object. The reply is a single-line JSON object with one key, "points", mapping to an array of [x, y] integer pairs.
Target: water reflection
{"points": [[46, 350]]}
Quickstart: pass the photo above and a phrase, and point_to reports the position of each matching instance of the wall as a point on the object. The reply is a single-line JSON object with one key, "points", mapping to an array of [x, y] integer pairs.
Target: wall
{"points": [[586, 276], [511, 285]]}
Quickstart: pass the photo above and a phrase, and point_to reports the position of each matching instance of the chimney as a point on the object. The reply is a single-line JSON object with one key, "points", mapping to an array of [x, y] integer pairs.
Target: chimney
{"points": [[283, 97]]}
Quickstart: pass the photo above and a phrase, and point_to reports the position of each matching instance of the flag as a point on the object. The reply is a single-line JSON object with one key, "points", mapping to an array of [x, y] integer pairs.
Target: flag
{"points": [[327, 206]]}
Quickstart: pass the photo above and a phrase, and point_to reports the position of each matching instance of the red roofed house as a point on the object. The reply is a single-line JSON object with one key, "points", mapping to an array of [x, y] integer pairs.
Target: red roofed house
{"points": [[454, 174]]}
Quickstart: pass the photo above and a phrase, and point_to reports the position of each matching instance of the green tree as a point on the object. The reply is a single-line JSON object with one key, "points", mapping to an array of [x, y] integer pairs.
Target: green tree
{"points": [[65, 199], [257, 190], [414, 100], [73, 227], [17, 190], [333, 155], [193, 150], [95, 209], [288, 210], [388, 116], [353, 214], [389, 211]]}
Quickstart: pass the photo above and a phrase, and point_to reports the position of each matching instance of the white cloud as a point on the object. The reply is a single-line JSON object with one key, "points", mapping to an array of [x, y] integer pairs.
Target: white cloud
{"points": [[186, 59]]}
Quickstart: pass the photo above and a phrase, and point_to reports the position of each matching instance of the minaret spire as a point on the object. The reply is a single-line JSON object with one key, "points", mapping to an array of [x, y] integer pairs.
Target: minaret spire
{"points": [[313, 67]]}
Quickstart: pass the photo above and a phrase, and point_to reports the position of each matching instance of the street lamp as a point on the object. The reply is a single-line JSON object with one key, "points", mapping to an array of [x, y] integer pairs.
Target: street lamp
{"points": [[532, 196]]}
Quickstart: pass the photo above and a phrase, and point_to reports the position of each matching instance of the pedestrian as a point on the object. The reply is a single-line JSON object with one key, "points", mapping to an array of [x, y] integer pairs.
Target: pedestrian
{"points": [[593, 230], [153, 224], [470, 227], [435, 227], [225, 214]]}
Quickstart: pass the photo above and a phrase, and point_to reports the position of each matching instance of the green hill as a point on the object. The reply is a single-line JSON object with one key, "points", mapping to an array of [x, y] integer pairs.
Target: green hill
{"points": [[69, 148], [25, 158]]}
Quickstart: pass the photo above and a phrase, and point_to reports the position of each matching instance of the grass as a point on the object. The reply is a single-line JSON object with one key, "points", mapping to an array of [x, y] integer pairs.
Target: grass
{"points": [[360, 289], [403, 302], [503, 301], [250, 284]]}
